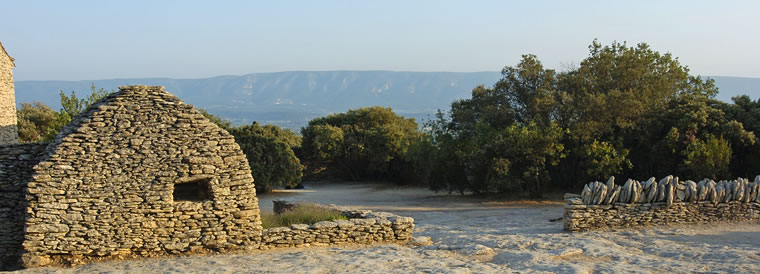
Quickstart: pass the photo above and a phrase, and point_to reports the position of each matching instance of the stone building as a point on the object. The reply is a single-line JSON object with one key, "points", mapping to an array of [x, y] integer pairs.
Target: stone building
{"points": [[139, 173], [8, 133]]}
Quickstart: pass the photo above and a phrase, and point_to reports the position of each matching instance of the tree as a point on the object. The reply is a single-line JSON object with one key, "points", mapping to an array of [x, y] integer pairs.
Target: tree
{"points": [[273, 162], [38, 123], [745, 160], [269, 150], [71, 106], [516, 156], [502, 138], [673, 139], [602, 159], [34, 122], [627, 111], [435, 158], [707, 159], [365, 143]]}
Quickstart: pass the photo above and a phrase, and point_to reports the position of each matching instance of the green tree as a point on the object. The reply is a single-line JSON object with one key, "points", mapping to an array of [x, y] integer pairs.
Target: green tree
{"points": [[745, 160], [707, 159], [71, 106], [365, 143], [273, 162], [628, 111], [671, 139], [603, 160], [516, 156], [34, 122], [504, 137], [435, 158]]}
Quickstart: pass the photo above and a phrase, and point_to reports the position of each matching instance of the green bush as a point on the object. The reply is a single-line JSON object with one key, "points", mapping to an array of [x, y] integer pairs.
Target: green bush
{"points": [[301, 214]]}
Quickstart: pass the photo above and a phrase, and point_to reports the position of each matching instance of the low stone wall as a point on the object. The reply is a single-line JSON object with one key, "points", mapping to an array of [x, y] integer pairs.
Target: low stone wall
{"points": [[362, 227], [16, 163], [591, 217], [667, 202]]}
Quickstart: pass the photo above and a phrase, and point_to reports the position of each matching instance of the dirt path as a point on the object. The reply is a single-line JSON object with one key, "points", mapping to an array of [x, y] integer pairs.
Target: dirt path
{"points": [[478, 236]]}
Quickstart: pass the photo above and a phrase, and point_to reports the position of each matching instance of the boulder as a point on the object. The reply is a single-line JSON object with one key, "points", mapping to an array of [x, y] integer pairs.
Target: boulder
{"points": [[421, 241]]}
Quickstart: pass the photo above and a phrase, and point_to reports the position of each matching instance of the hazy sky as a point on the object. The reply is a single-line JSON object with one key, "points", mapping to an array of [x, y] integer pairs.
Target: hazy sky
{"points": [[87, 40]]}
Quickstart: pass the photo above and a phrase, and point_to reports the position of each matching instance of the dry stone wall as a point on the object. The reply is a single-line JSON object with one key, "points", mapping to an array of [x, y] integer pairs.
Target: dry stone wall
{"points": [[137, 174], [16, 163], [362, 227], [663, 202], [8, 132]]}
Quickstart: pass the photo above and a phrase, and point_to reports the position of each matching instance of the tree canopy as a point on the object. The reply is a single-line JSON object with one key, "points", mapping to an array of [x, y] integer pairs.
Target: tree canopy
{"points": [[270, 155], [38, 123], [625, 110], [365, 143]]}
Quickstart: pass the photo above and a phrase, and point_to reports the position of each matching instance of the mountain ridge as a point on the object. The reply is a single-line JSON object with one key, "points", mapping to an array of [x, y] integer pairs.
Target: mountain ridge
{"points": [[291, 98]]}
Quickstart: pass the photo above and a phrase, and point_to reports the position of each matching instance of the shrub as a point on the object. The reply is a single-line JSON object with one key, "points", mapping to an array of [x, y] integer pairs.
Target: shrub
{"points": [[301, 214]]}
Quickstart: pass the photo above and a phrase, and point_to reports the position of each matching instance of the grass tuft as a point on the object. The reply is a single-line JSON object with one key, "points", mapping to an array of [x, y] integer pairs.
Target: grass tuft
{"points": [[300, 214]]}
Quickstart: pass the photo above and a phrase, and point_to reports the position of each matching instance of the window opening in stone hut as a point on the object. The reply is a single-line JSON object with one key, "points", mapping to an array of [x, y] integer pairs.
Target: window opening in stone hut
{"points": [[194, 190]]}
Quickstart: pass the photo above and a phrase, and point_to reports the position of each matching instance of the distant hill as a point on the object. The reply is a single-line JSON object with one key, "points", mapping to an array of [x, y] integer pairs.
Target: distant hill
{"points": [[291, 99], [734, 86]]}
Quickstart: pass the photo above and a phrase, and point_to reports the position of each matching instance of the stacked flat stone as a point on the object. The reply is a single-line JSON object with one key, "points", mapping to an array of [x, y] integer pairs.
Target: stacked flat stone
{"points": [[105, 187], [8, 130], [16, 163], [362, 227], [667, 201]]}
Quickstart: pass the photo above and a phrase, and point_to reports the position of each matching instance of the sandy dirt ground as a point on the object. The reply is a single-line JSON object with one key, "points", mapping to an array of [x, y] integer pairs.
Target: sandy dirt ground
{"points": [[473, 235]]}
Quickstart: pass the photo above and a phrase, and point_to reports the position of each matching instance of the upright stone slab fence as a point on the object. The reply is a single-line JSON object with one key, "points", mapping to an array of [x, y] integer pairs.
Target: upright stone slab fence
{"points": [[663, 202]]}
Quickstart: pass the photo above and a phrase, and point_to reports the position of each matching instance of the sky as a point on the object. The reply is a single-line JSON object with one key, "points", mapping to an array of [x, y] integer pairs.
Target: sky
{"points": [[90, 40]]}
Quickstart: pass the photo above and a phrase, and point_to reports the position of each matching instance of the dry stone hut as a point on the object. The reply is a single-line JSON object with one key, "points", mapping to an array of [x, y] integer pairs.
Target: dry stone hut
{"points": [[8, 133], [139, 173]]}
